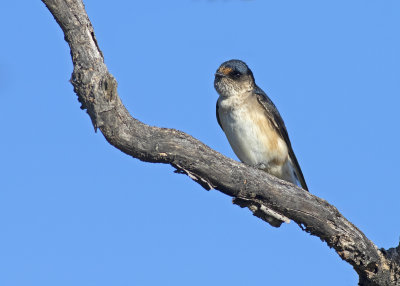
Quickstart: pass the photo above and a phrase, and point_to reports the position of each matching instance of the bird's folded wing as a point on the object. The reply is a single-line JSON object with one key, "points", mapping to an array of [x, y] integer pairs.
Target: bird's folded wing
{"points": [[277, 122]]}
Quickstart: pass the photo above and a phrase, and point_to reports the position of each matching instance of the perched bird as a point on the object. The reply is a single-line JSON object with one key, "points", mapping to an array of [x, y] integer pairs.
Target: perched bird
{"points": [[253, 125]]}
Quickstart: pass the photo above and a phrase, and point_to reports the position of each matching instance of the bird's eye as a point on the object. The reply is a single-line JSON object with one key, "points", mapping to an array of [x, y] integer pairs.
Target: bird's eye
{"points": [[235, 74]]}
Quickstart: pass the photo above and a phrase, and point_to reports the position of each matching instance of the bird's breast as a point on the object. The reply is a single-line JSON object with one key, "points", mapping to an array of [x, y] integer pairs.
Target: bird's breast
{"points": [[250, 133]]}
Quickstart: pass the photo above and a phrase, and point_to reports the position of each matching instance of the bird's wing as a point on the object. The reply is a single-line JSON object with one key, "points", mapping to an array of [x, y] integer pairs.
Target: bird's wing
{"points": [[219, 121], [277, 122]]}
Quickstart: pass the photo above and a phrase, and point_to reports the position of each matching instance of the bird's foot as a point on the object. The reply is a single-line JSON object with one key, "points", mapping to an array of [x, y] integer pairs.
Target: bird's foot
{"points": [[260, 166]]}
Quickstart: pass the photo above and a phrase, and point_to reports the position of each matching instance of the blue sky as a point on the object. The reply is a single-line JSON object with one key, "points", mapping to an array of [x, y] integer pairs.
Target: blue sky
{"points": [[76, 211]]}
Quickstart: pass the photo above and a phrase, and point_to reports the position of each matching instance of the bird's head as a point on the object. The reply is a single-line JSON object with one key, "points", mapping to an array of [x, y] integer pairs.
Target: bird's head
{"points": [[233, 77]]}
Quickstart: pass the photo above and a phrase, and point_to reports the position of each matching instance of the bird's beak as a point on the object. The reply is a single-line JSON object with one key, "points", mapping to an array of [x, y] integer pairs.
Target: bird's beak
{"points": [[220, 74]]}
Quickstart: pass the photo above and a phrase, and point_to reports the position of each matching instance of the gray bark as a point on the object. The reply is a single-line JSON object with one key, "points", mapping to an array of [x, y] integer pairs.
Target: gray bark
{"points": [[97, 91]]}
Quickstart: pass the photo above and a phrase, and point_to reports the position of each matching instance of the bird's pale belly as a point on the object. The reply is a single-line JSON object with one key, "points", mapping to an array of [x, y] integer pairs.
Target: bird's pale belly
{"points": [[255, 142]]}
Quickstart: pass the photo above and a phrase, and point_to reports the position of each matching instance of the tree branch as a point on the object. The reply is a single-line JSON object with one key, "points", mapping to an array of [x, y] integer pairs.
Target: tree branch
{"points": [[97, 91]]}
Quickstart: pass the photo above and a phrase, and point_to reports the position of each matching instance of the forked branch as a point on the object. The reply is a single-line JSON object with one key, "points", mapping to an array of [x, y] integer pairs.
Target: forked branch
{"points": [[97, 91]]}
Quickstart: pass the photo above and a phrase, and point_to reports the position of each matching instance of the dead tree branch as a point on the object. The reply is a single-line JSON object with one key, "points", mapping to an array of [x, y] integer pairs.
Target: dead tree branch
{"points": [[97, 91]]}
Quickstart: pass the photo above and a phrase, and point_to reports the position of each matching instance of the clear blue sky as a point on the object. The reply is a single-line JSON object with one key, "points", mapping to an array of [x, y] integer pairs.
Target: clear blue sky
{"points": [[76, 211]]}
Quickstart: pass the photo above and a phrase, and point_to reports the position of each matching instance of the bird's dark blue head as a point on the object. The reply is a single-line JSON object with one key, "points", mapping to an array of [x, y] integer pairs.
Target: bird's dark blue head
{"points": [[234, 69], [233, 77]]}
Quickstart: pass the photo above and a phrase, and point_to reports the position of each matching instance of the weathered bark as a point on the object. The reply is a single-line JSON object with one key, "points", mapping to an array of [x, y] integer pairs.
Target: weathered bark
{"points": [[97, 91]]}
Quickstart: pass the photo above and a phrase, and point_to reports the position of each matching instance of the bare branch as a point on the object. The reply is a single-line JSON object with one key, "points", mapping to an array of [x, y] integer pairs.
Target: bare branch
{"points": [[97, 91]]}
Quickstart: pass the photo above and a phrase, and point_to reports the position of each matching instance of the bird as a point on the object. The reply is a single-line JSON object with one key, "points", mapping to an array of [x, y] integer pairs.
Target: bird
{"points": [[252, 124]]}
